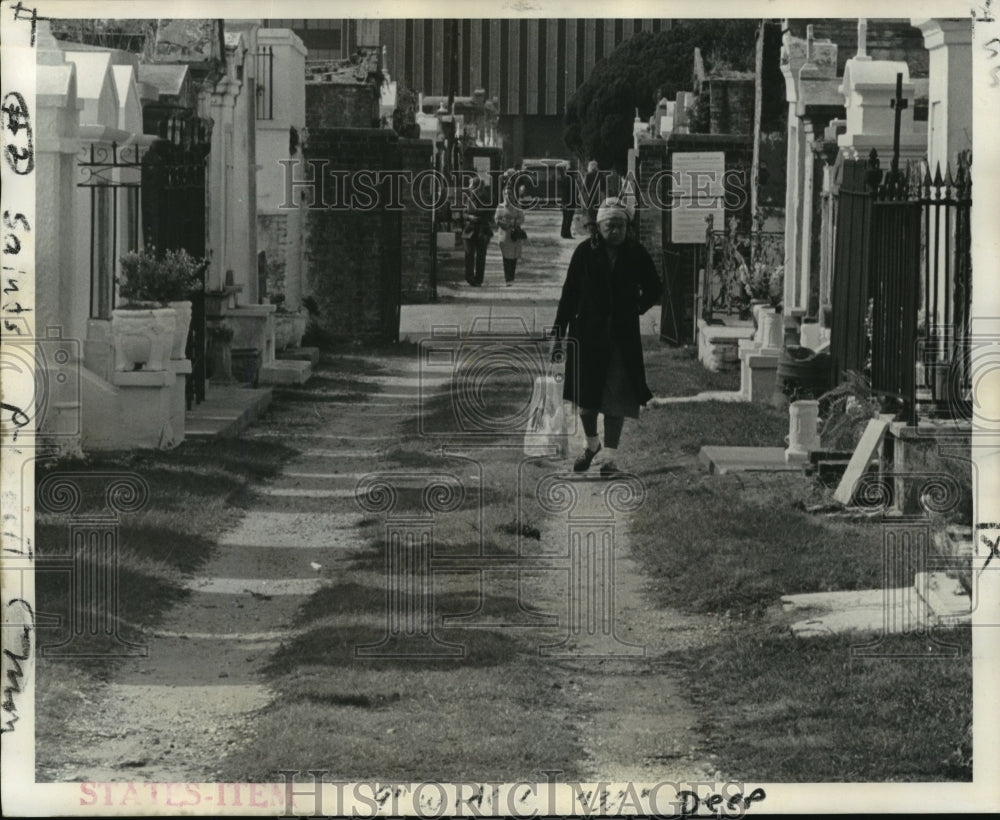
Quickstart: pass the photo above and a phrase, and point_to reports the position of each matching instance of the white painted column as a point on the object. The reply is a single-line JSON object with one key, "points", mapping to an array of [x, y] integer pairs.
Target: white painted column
{"points": [[950, 78], [792, 202], [801, 305], [826, 239], [794, 52], [220, 187], [950, 116], [215, 192]]}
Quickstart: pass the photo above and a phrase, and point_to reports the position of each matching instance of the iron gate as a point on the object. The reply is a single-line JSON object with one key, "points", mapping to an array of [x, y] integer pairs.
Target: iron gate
{"points": [[111, 175], [902, 282], [173, 217]]}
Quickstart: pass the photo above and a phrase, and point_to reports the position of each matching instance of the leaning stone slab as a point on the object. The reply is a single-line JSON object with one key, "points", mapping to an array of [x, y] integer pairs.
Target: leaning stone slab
{"points": [[863, 455]]}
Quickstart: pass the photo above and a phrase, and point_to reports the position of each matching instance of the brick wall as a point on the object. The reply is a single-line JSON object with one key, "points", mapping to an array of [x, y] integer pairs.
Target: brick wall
{"points": [[731, 107], [650, 159], [888, 39], [685, 260], [336, 105], [352, 256], [418, 247]]}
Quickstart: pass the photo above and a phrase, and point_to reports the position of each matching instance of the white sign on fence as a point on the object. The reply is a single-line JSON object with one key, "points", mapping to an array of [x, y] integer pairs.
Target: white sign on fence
{"points": [[482, 166], [697, 192]]}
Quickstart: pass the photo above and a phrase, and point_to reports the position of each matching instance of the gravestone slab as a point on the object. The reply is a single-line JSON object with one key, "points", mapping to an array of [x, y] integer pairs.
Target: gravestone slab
{"points": [[721, 460]]}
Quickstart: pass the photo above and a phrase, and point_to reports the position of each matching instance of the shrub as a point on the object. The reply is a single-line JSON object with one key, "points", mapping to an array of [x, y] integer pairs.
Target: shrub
{"points": [[147, 276], [848, 409]]}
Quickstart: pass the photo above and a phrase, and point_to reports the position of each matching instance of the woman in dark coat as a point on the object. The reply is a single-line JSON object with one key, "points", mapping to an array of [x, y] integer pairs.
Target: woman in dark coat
{"points": [[611, 281]]}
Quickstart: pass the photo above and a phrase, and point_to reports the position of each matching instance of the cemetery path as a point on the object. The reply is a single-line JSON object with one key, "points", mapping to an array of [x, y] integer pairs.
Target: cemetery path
{"points": [[241, 674]]}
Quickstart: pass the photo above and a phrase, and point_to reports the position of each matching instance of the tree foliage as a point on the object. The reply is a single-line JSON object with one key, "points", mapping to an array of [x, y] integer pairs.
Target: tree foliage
{"points": [[646, 67]]}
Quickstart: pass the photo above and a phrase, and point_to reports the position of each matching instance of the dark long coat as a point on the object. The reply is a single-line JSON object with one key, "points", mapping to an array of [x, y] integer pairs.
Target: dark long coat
{"points": [[599, 304]]}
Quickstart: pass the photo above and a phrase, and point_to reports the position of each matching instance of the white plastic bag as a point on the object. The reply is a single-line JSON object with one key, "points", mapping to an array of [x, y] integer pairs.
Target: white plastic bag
{"points": [[547, 423]]}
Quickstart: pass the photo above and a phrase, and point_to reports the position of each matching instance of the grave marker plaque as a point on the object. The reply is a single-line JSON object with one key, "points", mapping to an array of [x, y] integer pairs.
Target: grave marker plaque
{"points": [[697, 193]]}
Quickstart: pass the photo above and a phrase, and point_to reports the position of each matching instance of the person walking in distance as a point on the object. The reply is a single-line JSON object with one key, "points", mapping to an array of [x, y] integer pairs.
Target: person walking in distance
{"points": [[510, 221], [610, 282], [477, 230], [592, 192], [566, 202]]}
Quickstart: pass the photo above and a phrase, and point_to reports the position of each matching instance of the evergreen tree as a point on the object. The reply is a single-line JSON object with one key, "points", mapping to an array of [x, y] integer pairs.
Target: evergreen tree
{"points": [[646, 67]]}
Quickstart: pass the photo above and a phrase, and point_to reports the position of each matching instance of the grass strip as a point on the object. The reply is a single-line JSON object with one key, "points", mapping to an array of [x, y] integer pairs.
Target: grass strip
{"points": [[779, 709]]}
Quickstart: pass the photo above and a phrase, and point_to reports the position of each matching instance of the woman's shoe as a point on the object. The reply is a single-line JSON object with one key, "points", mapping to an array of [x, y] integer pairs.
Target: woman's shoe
{"points": [[582, 464], [609, 469]]}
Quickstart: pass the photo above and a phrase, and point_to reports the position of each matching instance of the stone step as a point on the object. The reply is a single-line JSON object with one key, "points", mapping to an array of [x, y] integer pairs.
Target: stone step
{"points": [[309, 354], [286, 371], [707, 395], [722, 460], [226, 411]]}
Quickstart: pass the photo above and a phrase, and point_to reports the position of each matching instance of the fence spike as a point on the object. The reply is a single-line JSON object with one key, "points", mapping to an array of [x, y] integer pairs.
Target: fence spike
{"points": [[912, 179], [949, 181], [938, 181], [963, 177]]}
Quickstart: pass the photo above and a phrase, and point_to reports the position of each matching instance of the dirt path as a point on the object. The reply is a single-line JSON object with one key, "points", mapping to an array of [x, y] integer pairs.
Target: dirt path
{"points": [[633, 720], [173, 715], [177, 714]]}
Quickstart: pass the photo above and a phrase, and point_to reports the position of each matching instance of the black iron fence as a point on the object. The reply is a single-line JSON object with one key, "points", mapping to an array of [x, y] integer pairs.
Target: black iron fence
{"points": [[894, 290], [739, 265], [264, 101], [111, 175], [946, 285], [850, 291], [173, 216], [902, 282]]}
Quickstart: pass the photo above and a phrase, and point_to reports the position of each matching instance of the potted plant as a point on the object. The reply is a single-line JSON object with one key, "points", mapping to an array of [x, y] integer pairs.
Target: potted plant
{"points": [[155, 289]]}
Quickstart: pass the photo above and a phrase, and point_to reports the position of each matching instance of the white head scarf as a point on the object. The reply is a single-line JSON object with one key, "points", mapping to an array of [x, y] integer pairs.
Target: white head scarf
{"points": [[612, 206]]}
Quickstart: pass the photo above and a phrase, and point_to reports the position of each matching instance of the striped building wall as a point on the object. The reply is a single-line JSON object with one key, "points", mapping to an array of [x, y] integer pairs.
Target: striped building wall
{"points": [[532, 65]]}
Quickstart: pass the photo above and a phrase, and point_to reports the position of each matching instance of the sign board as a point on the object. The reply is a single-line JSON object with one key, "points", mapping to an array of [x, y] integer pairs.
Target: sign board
{"points": [[697, 179], [688, 225], [481, 165]]}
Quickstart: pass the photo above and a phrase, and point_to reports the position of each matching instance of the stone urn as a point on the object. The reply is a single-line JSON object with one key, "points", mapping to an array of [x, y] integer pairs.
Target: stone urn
{"points": [[142, 337], [771, 329], [758, 305], [183, 310], [803, 431]]}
